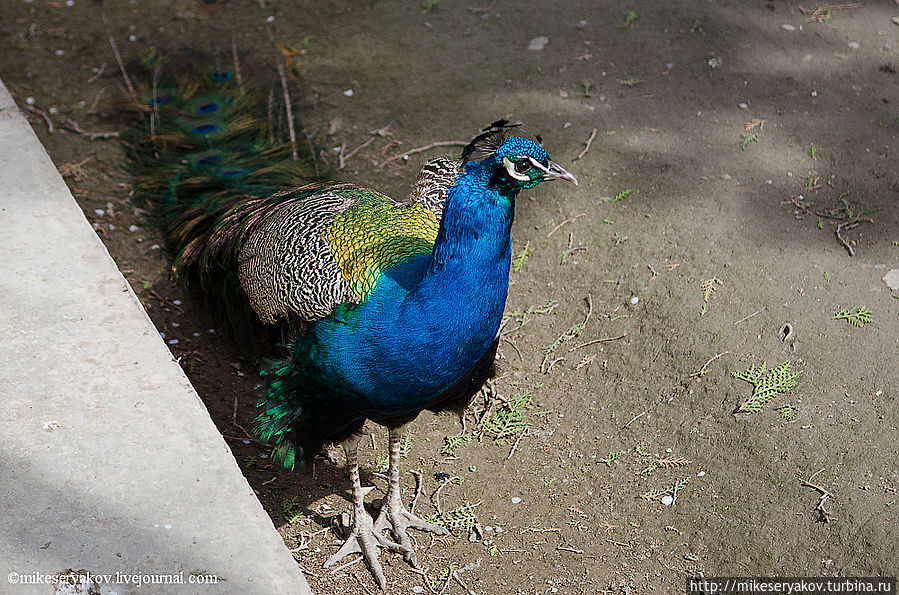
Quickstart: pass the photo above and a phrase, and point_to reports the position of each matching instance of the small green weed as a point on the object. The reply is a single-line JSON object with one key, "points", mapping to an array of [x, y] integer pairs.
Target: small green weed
{"points": [[766, 384], [508, 420], [747, 138], [630, 17], [856, 315]]}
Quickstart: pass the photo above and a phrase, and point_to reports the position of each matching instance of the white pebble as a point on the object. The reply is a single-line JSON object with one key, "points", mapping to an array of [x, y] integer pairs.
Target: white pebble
{"points": [[788, 27], [53, 110], [538, 43], [516, 500], [173, 341], [854, 45], [132, 38], [270, 19], [99, 212], [70, 2], [29, 100], [635, 300], [60, 52], [700, 474], [814, 93], [155, 247], [744, 106], [133, 228], [667, 500], [348, 93], [177, 302], [418, 589]]}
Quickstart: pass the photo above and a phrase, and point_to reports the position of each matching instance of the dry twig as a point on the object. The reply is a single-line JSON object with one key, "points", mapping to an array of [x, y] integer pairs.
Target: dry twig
{"points": [[442, 143], [569, 220], [587, 148]]}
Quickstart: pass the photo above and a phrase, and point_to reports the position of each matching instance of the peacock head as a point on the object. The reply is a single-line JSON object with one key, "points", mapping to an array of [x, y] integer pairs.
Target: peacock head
{"points": [[518, 163]]}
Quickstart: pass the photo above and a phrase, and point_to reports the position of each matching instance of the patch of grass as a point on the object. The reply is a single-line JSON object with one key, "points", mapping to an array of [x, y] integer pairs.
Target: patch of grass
{"points": [[429, 5], [812, 152], [856, 315], [766, 384]]}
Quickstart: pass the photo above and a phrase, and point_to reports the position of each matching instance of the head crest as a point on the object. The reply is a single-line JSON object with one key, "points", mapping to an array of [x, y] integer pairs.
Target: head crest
{"points": [[491, 138]]}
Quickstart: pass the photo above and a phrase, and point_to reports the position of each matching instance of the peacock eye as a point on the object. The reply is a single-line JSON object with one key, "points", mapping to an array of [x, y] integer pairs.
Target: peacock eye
{"points": [[522, 166]]}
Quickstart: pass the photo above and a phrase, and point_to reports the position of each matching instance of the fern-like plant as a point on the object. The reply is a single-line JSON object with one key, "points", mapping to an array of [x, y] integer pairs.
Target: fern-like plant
{"points": [[856, 315], [459, 521], [766, 384], [452, 443], [521, 257], [508, 420]]}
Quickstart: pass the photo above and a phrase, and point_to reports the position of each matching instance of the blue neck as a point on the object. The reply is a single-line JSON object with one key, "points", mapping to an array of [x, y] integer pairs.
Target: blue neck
{"points": [[429, 319]]}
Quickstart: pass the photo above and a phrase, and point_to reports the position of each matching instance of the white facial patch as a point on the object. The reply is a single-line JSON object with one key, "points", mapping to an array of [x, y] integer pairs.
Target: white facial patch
{"points": [[524, 177]]}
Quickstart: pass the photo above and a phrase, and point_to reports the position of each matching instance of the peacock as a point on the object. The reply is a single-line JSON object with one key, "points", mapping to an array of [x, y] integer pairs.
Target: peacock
{"points": [[385, 308]]}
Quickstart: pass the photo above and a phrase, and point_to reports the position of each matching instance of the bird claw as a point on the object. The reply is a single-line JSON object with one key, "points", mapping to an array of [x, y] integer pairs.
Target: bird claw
{"points": [[365, 540], [398, 520]]}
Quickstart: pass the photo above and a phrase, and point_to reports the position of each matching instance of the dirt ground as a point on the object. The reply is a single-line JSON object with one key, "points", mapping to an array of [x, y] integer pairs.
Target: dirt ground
{"points": [[688, 246]]}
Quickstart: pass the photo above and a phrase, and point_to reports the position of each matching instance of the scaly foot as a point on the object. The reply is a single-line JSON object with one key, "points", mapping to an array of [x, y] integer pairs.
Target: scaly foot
{"points": [[395, 517], [365, 540]]}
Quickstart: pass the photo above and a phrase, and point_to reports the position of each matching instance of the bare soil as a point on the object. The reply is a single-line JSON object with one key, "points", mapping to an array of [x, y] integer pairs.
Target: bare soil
{"points": [[574, 503]]}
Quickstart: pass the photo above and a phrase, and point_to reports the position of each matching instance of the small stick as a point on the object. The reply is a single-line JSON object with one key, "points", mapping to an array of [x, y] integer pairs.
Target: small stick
{"points": [[515, 347], [287, 106], [587, 148], [569, 549], [118, 57], [418, 490], [702, 370], [442, 143], [42, 114], [515, 446], [847, 225], [342, 566], [569, 220], [745, 318], [93, 108], [73, 125], [435, 498], [166, 301], [272, 480], [825, 517], [353, 152], [98, 73], [236, 61], [633, 420], [234, 423], [361, 584], [594, 341]]}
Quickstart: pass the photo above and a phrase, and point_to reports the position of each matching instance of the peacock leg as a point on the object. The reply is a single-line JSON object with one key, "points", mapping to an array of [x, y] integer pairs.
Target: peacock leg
{"points": [[365, 539], [393, 514]]}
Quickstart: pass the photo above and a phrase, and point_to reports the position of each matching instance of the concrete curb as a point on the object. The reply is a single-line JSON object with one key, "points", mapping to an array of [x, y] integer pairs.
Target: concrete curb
{"points": [[109, 461]]}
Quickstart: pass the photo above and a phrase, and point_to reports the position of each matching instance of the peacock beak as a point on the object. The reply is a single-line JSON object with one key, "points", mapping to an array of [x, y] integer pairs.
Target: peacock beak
{"points": [[556, 171]]}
